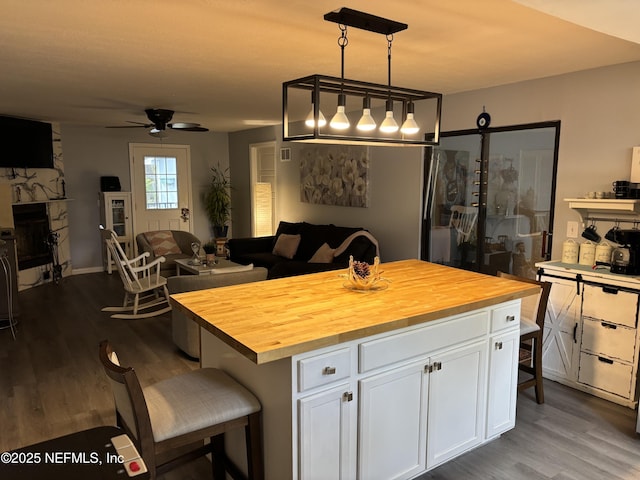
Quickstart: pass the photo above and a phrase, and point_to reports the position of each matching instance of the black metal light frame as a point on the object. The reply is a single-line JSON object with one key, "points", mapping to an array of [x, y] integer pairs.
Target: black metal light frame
{"points": [[323, 86]]}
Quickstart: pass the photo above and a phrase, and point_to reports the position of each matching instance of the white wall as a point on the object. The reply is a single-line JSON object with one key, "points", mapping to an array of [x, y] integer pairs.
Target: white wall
{"points": [[600, 123], [92, 152]]}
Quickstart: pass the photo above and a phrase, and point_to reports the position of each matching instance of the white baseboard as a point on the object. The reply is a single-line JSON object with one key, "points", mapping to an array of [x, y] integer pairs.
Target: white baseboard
{"points": [[81, 271]]}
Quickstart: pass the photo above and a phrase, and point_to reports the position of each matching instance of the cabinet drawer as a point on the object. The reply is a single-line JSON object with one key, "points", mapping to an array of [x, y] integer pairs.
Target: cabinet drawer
{"points": [[505, 317], [323, 369], [615, 341], [403, 346], [605, 374], [610, 304]]}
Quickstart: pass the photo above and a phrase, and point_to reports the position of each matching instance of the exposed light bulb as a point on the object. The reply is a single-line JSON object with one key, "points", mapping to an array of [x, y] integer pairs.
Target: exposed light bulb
{"points": [[409, 127], [389, 124], [311, 121], [340, 121], [367, 122]]}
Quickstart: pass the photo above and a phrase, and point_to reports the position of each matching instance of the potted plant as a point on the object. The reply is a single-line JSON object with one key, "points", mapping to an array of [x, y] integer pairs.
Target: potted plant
{"points": [[210, 251], [217, 201]]}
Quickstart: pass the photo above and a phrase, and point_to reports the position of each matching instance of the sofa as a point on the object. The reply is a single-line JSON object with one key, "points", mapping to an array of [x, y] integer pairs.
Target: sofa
{"points": [[170, 244], [186, 332], [301, 247]]}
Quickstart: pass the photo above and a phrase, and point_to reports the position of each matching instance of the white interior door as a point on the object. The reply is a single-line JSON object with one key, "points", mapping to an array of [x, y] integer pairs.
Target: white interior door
{"points": [[161, 187]]}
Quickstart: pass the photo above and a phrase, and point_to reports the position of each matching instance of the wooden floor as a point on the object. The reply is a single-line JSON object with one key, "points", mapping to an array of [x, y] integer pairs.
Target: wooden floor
{"points": [[52, 384]]}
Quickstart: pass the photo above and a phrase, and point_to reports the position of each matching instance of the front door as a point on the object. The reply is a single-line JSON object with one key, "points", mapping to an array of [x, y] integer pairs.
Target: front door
{"points": [[161, 187]]}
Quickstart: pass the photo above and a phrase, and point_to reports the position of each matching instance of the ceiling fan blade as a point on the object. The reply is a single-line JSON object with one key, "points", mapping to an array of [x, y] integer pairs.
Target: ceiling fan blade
{"points": [[189, 127], [137, 125]]}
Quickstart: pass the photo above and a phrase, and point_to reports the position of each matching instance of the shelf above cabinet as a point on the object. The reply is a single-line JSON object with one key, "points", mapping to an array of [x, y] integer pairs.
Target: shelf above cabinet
{"points": [[609, 208]]}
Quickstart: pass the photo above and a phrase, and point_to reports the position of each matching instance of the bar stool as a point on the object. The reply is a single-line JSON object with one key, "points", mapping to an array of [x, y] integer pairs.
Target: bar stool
{"points": [[531, 333], [163, 418]]}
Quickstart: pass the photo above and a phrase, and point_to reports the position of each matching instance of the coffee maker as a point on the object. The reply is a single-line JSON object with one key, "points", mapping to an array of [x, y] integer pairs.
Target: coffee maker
{"points": [[625, 259]]}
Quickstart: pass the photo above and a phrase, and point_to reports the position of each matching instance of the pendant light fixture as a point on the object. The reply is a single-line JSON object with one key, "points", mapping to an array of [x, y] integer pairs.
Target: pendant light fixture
{"points": [[301, 125]]}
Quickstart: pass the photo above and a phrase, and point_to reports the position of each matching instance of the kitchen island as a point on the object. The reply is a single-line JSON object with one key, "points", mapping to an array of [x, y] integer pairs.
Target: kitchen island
{"points": [[379, 384]]}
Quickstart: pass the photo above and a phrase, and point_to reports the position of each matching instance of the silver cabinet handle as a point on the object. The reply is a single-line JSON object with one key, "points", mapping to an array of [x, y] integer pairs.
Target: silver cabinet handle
{"points": [[511, 318], [329, 371], [498, 346]]}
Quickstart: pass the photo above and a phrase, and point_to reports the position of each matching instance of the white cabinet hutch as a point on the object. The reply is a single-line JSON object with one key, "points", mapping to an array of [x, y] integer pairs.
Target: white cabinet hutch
{"points": [[591, 335], [115, 214]]}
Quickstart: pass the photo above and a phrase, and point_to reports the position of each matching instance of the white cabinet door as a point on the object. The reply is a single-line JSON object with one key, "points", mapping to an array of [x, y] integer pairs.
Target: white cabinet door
{"points": [[503, 383], [326, 435], [393, 423], [457, 393], [560, 344]]}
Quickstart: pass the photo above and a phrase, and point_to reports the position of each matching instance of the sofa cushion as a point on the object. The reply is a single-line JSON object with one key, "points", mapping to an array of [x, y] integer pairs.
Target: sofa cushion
{"points": [[235, 269], [313, 236], [162, 242], [324, 254], [288, 228], [286, 245]]}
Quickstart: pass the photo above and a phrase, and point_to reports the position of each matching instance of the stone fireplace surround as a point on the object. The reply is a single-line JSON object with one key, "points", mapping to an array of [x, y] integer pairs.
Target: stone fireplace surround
{"points": [[43, 187]]}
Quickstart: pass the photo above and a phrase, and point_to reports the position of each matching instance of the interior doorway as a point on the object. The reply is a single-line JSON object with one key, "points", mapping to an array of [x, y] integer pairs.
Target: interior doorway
{"points": [[263, 188], [160, 187]]}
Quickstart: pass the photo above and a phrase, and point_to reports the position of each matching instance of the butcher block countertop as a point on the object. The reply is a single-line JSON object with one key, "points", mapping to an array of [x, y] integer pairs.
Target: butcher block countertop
{"points": [[275, 319]]}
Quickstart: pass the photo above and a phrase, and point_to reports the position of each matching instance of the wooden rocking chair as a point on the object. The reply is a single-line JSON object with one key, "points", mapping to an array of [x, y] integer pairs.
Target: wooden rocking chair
{"points": [[143, 285]]}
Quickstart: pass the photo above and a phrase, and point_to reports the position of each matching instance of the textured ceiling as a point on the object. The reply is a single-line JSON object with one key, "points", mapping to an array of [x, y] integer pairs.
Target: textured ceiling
{"points": [[222, 63]]}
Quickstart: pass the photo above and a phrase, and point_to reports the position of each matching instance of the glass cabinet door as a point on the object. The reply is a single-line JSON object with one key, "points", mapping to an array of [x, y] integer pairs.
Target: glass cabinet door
{"points": [[489, 199], [118, 217]]}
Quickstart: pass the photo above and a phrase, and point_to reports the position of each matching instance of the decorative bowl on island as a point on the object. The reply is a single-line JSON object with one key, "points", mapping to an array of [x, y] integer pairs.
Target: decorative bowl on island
{"points": [[364, 277]]}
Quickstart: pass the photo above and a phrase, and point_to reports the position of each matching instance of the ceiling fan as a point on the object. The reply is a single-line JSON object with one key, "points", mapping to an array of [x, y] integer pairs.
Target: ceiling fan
{"points": [[160, 119]]}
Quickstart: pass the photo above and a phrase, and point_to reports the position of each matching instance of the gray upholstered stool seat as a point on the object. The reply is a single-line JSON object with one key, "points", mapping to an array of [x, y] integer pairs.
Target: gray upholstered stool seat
{"points": [[195, 400], [527, 326]]}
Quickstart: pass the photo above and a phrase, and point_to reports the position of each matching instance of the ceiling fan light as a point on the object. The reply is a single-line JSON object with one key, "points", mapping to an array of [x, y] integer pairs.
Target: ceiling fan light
{"points": [[154, 132]]}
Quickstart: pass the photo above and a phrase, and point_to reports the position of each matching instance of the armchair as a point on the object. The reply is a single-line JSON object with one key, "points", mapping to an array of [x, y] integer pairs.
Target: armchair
{"points": [[170, 244]]}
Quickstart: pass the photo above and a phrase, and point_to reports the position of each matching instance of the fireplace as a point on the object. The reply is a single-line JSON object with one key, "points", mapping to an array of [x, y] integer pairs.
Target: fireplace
{"points": [[32, 231]]}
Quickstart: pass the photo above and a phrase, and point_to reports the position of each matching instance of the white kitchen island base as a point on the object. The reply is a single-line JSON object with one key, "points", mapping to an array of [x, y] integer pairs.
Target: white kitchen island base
{"points": [[387, 406]]}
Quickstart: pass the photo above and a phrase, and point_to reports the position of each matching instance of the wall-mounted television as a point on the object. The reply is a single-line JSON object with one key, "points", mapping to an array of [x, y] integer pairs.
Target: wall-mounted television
{"points": [[25, 143]]}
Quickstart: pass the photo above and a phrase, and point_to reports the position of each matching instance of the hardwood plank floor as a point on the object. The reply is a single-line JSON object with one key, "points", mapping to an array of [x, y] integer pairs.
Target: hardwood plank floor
{"points": [[52, 384]]}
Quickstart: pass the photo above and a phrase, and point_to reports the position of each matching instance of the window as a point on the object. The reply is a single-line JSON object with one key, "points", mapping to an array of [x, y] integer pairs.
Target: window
{"points": [[161, 183]]}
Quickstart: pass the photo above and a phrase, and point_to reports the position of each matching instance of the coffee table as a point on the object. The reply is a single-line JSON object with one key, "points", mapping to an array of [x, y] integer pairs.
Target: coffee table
{"points": [[182, 264]]}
